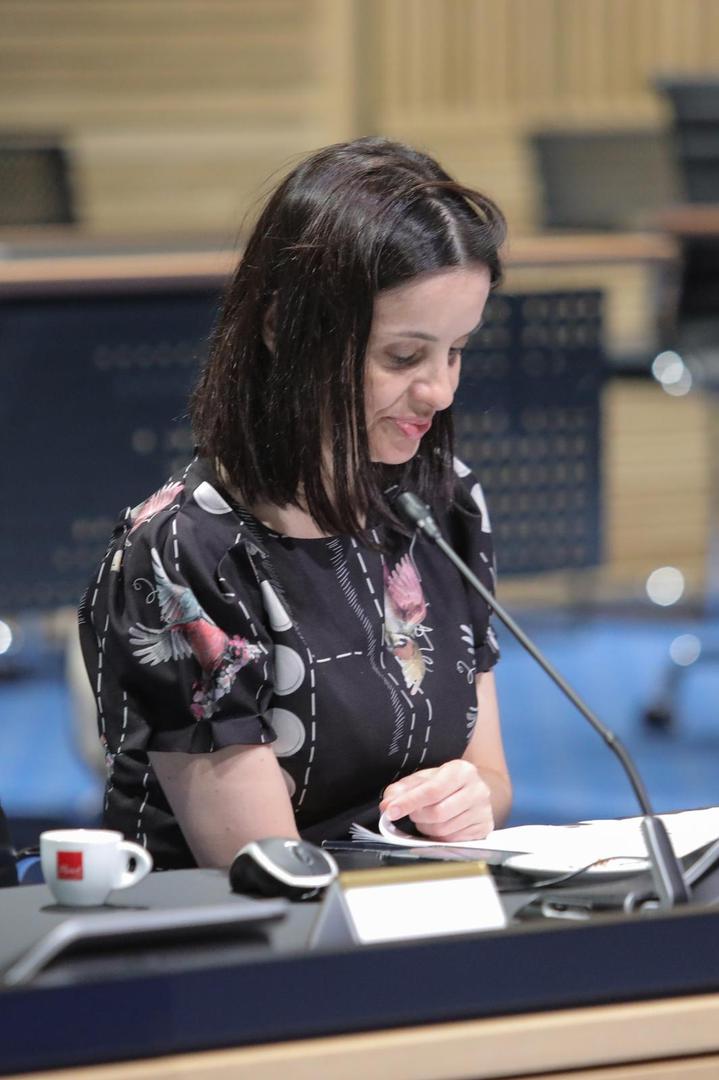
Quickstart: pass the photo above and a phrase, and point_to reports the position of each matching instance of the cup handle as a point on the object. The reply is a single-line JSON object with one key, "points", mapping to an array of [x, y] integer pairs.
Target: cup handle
{"points": [[143, 864]]}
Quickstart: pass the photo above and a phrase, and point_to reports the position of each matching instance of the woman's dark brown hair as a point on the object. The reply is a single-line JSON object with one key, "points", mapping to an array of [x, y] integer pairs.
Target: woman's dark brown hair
{"points": [[351, 220]]}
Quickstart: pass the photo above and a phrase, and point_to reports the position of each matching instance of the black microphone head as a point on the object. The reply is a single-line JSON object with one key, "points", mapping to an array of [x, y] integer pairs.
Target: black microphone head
{"points": [[417, 514], [411, 508]]}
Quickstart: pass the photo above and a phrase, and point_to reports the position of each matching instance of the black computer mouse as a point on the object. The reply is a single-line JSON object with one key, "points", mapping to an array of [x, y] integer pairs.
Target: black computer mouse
{"points": [[278, 867]]}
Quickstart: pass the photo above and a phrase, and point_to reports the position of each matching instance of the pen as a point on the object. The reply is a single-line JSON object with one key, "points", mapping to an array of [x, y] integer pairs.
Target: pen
{"points": [[396, 851], [386, 850]]}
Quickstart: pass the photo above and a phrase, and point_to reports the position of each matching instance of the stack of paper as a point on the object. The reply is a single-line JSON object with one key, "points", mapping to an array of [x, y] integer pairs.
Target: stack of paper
{"points": [[563, 848]]}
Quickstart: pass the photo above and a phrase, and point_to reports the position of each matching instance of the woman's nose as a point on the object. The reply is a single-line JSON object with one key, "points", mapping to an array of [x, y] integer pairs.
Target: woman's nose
{"points": [[438, 387]]}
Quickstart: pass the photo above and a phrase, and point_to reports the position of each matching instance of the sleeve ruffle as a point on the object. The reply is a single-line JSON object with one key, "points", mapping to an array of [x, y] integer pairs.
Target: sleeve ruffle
{"points": [[184, 631]]}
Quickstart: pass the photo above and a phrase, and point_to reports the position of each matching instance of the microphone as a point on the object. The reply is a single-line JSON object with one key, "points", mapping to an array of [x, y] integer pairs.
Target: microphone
{"points": [[666, 870]]}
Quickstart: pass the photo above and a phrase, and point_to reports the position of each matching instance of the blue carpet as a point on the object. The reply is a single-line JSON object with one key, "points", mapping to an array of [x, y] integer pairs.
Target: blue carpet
{"points": [[41, 774], [561, 769]]}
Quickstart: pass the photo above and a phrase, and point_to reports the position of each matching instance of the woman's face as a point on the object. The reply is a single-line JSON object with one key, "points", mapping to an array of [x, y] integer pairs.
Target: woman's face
{"points": [[414, 355]]}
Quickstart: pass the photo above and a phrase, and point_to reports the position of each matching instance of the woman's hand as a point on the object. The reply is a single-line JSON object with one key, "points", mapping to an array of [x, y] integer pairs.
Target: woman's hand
{"points": [[451, 802]]}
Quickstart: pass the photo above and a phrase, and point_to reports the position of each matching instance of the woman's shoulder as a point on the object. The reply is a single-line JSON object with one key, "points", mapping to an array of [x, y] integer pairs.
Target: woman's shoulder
{"points": [[185, 544], [190, 515]]}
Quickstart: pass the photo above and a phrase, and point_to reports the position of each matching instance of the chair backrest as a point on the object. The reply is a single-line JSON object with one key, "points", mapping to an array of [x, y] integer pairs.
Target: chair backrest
{"points": [[603, 179], [695, 108], [35, 186], [8, 867]]}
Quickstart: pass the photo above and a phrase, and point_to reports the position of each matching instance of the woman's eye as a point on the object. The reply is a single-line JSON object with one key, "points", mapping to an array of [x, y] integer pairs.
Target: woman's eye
{"points": [[401, 360], [404, 361]]}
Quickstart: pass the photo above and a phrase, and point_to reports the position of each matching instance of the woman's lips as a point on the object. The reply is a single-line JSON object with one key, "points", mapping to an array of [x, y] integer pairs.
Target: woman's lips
{"points": [[412, 429]]}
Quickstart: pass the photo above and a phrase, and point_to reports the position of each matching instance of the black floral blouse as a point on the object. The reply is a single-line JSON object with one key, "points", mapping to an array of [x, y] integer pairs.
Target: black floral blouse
{"points": [[204, 629]]}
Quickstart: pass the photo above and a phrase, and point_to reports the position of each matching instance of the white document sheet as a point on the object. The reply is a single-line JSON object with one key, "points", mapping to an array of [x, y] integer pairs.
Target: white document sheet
{"points": [[565, 847]]}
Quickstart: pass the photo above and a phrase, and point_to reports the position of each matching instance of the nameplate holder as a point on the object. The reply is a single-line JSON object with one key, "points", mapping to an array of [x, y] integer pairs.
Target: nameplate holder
{"points": [[366, 907]]}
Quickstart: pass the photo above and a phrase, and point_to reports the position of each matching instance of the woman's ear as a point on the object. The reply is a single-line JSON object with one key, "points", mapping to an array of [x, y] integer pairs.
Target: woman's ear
{"points": [[269, 325]]}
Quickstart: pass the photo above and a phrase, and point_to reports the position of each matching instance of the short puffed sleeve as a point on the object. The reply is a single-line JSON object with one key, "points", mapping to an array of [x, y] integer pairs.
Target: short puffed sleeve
{"points": [[173, 635], [471, 535]]}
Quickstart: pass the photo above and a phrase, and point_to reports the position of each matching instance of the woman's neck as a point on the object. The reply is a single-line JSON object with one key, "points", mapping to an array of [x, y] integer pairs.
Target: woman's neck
{"points": [[287, 520]]}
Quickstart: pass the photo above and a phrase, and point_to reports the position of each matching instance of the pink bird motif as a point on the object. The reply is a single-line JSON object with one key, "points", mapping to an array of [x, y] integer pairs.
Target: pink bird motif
{"points": [[189, 631], [404, 610], [151, 506]]}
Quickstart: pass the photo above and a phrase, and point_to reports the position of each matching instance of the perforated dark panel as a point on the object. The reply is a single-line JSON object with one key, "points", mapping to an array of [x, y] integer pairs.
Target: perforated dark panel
{"points": [[93, 415], [528, 422]]}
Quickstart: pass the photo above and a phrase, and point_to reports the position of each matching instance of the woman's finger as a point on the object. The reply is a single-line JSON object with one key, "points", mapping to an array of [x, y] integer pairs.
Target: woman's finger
{"points": [[477, 819], [434, 786], [447, 809], [395, 792], [431, 790], [409, 781]]}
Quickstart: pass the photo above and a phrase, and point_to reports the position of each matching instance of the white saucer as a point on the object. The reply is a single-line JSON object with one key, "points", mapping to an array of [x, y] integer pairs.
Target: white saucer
{"points": [[615, 867]]}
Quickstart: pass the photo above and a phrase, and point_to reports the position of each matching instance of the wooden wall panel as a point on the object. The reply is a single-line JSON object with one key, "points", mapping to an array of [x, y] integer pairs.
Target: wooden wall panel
{"points": [[484, 73], [529, 57], [134, 83], [658, 478], [147, 61], [177, 111]]}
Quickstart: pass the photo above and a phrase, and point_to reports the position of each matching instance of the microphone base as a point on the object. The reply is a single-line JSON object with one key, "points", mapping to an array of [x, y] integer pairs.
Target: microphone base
{"points": [[671, 888]]}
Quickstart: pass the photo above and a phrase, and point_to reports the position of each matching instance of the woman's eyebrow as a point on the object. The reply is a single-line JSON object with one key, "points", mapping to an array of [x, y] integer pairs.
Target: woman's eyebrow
{"points": [[429, 337], [416, 334]]}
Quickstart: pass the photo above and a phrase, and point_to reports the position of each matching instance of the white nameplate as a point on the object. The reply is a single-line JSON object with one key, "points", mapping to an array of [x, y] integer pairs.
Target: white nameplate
{"points": [[396, 903]]}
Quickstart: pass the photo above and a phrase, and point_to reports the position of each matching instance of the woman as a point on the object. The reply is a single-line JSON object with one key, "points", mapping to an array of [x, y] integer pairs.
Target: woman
{"points": [[272, 651]]}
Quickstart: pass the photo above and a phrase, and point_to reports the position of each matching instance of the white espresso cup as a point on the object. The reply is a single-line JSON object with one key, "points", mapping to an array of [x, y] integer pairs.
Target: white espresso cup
{"points": [[81, 867]]}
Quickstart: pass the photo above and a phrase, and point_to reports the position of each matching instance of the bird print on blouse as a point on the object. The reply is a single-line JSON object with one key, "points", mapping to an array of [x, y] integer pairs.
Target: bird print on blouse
{"points": [[405, 609], [189, 631], [154, 504]]}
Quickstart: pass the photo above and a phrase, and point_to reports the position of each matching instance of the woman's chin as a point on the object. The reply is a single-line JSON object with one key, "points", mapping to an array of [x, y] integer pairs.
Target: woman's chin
{"points": [[392, 455]]}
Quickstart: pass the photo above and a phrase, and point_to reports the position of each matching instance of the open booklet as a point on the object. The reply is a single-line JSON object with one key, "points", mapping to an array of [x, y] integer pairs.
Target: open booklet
{"points": [[566, 848]]}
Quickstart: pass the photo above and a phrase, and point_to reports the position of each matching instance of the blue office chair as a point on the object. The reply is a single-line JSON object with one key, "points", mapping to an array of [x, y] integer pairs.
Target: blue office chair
{"points": [[8, 867], [17, 867]]}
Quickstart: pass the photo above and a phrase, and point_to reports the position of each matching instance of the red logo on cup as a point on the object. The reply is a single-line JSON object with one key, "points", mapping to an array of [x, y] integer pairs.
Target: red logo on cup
{"points": [[69, 865]]}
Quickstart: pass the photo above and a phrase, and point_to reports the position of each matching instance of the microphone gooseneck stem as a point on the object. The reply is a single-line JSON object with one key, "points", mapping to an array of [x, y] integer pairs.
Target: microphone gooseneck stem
{"points": [[666, 870], [606, 733]]}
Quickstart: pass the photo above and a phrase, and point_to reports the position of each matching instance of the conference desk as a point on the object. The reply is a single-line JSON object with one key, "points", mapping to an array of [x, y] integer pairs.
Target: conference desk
{"points": [[690, 220], [610, 997]]}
